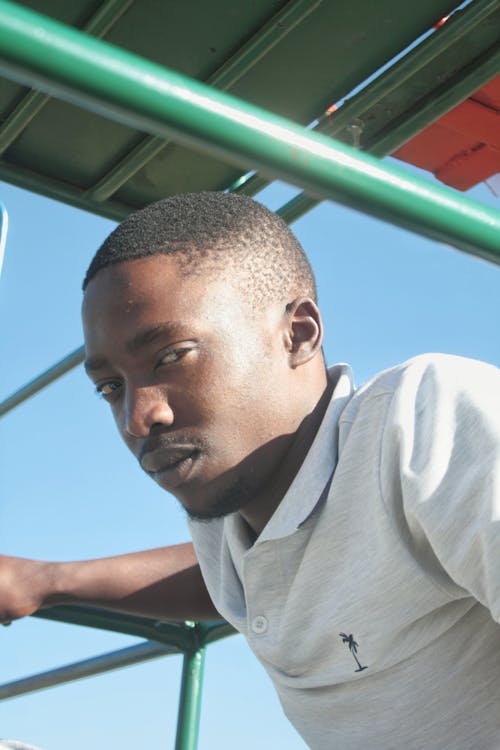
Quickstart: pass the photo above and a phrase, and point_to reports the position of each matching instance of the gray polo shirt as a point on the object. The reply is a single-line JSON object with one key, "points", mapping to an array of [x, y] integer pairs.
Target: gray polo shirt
{"points": [[371, 595]]}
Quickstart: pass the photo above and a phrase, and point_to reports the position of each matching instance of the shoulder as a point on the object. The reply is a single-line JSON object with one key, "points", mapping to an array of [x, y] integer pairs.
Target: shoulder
{"points": [[436, 368], [424, 392], [429, 377]]}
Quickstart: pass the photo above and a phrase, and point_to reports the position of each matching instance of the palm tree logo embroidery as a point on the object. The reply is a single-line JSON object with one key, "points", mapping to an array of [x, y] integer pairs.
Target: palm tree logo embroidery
{"points": [[353, 648]]}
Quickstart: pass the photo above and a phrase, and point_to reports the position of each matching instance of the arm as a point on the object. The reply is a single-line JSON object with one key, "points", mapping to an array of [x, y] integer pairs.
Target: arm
{"points": [[163, 583]]}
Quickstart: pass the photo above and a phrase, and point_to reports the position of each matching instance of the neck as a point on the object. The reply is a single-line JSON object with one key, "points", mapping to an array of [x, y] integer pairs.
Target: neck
{"points": [[259, 511]]}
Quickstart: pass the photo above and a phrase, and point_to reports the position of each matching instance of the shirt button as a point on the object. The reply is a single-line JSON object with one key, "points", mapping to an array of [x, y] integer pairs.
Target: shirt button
{"points": [[259, 624]]}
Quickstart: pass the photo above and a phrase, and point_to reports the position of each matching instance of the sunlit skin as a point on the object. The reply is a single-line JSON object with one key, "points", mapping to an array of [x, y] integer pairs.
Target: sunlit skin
{"points": [[217, 398]]}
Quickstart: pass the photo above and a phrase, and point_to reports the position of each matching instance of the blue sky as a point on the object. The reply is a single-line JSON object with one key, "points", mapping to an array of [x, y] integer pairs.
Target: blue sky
{"points": [[71, 491]]}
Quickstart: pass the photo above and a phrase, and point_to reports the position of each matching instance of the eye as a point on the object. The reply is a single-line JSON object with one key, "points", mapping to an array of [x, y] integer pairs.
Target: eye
{"points": [[170, 356], [108, 390]]}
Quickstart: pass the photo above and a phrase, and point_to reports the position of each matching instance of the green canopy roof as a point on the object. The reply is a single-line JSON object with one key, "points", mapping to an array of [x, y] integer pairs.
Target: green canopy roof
{"points": [[294, 58]]}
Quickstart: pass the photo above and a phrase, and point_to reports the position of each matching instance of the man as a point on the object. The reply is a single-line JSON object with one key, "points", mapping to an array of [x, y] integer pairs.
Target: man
{"points": [[352, 536]]}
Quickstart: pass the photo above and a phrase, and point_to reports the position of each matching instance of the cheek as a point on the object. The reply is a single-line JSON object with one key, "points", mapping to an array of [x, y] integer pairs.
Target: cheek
{"points": [[129, 441], [118, 417]]}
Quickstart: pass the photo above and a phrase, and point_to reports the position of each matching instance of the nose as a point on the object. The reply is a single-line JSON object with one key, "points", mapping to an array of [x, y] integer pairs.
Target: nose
{"points": [[144, 408]]}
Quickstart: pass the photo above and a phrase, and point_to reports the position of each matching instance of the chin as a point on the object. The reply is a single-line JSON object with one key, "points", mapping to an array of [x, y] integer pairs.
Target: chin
{"points": [[224, 502]]}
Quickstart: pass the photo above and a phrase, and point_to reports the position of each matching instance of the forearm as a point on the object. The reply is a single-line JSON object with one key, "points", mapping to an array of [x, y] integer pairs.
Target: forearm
{"points": [[163, 583]]}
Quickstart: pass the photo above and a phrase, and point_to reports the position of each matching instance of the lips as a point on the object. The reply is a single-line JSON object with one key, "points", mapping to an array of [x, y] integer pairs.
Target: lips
{"points": [[165, 459]]}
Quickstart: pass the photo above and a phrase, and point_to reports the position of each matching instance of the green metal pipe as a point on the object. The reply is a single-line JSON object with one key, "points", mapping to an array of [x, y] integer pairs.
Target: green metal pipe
{"points": [[85, 71], [296, 207], [47, 377], [61, 191], [463, 22], [126, 168], [100, 23], [125, 657], [209, 632], [182, 636], [226, 76], [106, 17], [274, 31], [29, 106], [188, 718], [449, 95], [249, 185]]}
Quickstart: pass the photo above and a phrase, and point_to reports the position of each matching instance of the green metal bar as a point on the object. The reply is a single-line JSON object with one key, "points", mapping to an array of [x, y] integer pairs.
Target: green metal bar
{"points": [[106, 17], [47, 377], [276, 29], [61, 191], [188, 718], [209, 632], [139, 93], [135, 160], [248, 185], [441, 101], [386, 143], [100, 23], [461, 24], [454, 91], [296, 207], [226, 76], [181, 635], [124, 657], [4, 225], [20, 118]]}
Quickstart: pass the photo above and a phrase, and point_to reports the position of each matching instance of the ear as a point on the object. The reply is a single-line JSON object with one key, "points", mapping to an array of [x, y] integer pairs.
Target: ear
{"points": [[303, 332]]}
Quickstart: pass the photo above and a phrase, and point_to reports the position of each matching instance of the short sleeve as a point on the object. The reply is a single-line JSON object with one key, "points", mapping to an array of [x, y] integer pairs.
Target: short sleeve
{"points": [[441, 458]]}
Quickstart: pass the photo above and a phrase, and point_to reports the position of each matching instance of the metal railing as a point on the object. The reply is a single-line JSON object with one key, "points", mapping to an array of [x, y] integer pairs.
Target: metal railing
{"points": [[161, 639]]}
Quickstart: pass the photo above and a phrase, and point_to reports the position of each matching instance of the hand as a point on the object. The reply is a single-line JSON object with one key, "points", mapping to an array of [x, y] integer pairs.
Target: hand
{"points": [[25, 586]]}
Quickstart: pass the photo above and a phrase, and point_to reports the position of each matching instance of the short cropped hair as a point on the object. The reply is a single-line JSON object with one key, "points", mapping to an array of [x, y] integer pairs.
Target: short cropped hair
{"points": [[214, 232]]}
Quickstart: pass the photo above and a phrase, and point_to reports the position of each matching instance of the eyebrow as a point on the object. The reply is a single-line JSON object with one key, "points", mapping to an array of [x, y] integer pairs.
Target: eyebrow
{"points": [[143, 338], [138, 342], [93, 364]]}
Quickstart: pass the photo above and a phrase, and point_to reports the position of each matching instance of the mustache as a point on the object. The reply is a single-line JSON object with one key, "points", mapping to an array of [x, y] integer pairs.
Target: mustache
{"points": [[170, 442]]}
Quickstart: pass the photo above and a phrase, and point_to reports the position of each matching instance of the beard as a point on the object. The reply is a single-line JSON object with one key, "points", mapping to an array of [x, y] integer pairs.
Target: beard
{"points": [[235, 497]]}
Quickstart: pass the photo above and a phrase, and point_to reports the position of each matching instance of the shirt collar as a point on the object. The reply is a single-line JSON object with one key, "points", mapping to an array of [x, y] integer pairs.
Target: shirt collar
{"points": [[316, 470]]}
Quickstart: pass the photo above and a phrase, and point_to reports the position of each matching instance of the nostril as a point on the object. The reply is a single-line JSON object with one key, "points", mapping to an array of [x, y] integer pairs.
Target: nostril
{"points": [[147, 409]]}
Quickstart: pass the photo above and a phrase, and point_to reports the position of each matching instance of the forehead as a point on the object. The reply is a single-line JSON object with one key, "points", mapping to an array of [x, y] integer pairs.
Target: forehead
{"points": [[135, 294], [145, 282]]}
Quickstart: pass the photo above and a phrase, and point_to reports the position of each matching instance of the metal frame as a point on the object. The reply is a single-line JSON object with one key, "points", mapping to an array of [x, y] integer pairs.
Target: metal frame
{"points": [[69, 64], [160, 639], [469, 40], [77, 68], [99, 25]]}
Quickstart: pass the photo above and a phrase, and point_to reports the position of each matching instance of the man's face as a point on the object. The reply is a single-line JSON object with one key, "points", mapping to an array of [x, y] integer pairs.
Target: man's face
{"points": [[198, 381]]}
